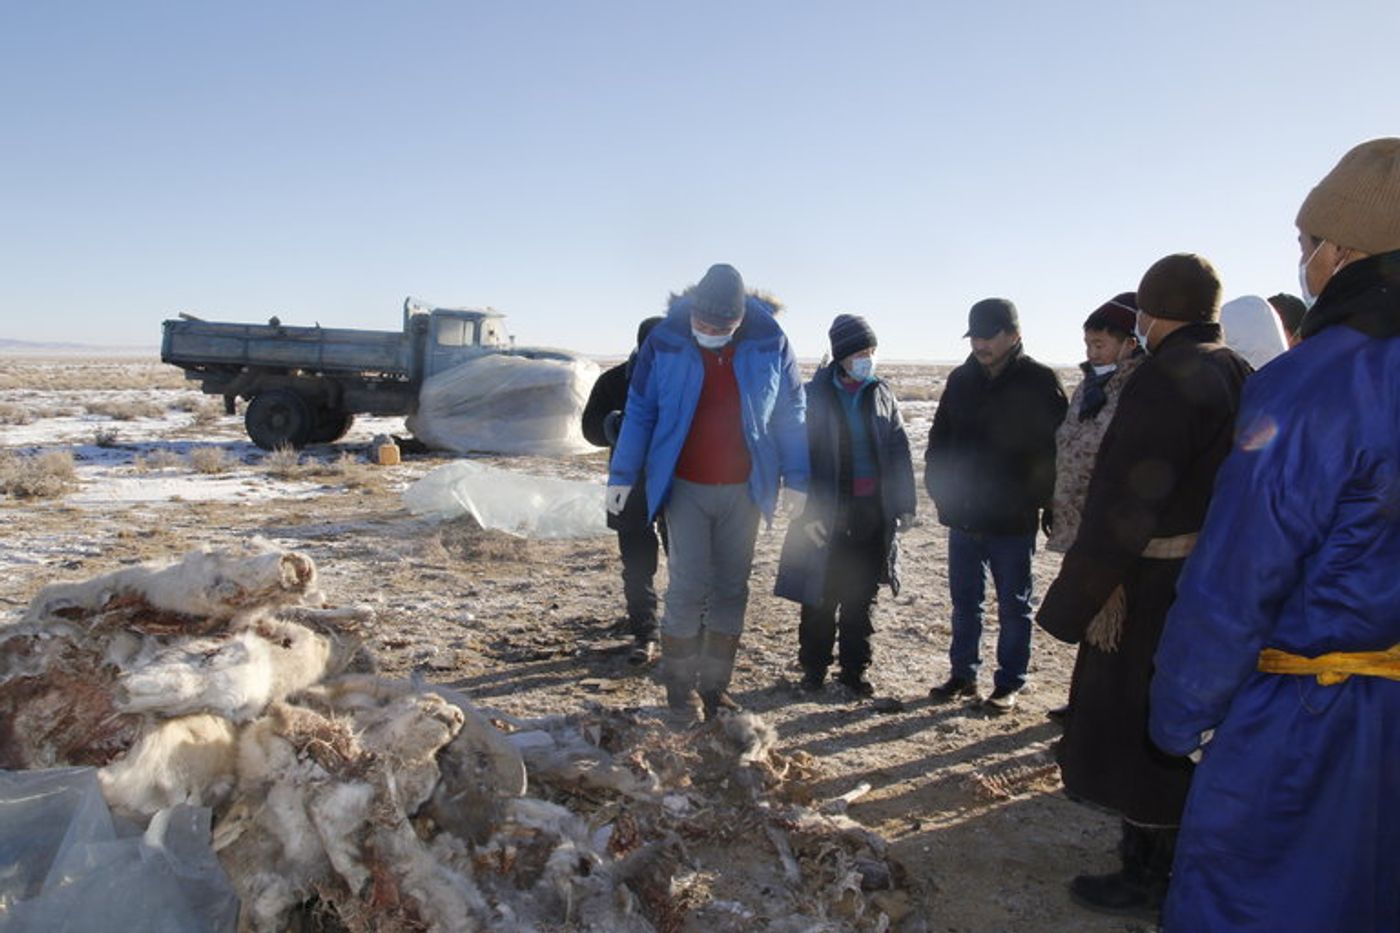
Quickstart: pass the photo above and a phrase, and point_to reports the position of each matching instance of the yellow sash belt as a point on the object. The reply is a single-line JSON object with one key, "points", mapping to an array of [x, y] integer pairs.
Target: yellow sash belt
{"points": [[1334, 667]]}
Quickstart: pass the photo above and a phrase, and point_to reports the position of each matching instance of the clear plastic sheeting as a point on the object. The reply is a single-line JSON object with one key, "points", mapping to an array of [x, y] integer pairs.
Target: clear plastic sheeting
{"points": [[65, 864], [516, 503], [507, 403]]}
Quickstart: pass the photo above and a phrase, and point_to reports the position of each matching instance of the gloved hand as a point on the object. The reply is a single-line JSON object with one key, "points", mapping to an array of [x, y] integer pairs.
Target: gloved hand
{"points": [[1047, 521], [612, 426], [617, 499], [816, 532], [903, 523], [791, 501]]}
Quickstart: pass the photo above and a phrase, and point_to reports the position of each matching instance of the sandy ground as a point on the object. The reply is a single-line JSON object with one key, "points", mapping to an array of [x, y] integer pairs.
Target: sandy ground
{"points": [[971, 802]]}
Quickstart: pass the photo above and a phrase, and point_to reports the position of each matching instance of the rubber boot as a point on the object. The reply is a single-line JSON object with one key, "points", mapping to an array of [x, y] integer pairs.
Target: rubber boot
{"points": [[1140, 886], [680, 658], [716, 668]]}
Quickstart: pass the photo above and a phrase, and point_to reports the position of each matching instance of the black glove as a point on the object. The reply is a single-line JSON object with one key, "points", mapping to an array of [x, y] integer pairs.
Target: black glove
{"points": [[1047, 521], [612, 426]]}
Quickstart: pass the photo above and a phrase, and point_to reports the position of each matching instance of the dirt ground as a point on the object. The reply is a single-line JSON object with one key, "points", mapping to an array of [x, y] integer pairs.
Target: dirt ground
{"points": [[971, 802]]}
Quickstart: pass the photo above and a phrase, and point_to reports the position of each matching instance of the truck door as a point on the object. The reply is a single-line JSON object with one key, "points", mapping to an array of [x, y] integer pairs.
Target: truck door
{"points": [[454, 340]]}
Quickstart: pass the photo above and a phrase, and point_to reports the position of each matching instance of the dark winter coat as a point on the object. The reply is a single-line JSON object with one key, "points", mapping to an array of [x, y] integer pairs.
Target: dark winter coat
{"points": [[609, 394], [1153, 479], [1292, 821], [990, 464], [802, 568]]}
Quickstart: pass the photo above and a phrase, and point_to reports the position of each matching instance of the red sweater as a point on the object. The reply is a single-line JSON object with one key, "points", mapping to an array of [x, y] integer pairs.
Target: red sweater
{"points": [[714, 450]]}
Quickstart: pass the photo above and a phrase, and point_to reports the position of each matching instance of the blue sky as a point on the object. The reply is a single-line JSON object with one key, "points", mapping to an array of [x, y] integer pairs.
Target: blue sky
{"points": [[570, 163]]}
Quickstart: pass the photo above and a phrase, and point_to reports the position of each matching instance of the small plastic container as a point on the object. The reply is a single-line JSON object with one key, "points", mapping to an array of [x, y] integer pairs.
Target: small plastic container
{"points": [[386, 454]]}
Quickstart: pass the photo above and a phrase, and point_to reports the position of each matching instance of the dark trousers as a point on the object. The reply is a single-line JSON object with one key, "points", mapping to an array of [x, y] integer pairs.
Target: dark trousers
{"points": [[856, 558], [637, 543]]}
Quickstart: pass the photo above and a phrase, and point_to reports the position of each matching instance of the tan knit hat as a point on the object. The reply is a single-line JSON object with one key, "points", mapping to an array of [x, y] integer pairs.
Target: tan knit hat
{"points": [[1180, 287], [1358, 204]]}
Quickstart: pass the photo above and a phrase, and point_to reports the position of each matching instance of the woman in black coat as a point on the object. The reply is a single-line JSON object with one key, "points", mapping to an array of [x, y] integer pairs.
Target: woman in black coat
{"points": [[843, 546]]}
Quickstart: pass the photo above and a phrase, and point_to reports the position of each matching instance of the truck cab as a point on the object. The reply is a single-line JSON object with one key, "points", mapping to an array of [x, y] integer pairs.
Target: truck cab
{"points": [[454, 335]]}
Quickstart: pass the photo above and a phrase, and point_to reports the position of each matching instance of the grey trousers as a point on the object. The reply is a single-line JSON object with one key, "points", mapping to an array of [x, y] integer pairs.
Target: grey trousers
{"points": [[712, 530]]}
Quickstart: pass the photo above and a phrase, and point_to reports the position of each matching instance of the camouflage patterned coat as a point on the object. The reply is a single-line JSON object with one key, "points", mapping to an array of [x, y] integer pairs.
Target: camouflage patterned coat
{"points": [[1076, 447]]}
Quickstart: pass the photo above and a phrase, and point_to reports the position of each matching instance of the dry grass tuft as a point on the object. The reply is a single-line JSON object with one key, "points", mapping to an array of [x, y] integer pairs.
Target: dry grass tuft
{"points": [[34, 477], [160, 459], [284, 463], [125, 409], [210, 460], [106, 437], [12, 413]]}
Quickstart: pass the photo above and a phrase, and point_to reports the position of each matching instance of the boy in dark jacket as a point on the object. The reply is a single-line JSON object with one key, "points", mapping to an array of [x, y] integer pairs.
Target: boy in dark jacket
{"points": [[843, 546], [636, 533]]}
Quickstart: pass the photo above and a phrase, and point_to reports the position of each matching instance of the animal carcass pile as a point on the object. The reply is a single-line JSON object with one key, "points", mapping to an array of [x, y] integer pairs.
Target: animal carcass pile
{"points": [[341, 800]]}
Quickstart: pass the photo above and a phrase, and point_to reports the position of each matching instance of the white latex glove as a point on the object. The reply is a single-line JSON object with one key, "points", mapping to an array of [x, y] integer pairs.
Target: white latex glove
{"points": [[904, 522], [791, 502], [617, 499], [816, 532]]}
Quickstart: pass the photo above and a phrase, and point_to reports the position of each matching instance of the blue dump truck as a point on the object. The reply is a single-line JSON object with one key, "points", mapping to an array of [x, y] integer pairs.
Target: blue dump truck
{"points": [[304, 385]]}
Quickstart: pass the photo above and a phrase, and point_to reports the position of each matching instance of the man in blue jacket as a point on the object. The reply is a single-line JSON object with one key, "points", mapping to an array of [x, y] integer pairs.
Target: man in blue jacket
{"points": [[715, 421], [1283, 645]]}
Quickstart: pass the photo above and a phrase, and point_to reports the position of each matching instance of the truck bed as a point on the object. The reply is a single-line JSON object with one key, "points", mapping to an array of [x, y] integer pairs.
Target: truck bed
{"points": [[279, 346]]}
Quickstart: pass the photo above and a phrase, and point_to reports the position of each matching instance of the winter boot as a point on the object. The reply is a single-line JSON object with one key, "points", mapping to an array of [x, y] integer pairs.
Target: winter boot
{"points": [[679, 661], [716, 667], [1140, 886], [645, 649]]}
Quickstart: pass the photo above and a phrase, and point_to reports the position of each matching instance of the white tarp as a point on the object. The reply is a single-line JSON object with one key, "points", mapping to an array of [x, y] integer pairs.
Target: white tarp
{"points": [[507, 404], [516, 503]]}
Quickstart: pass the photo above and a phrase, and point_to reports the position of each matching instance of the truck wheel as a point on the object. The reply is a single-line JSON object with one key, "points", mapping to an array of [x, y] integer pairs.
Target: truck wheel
{"points": [[331, 425], [279, 418]]}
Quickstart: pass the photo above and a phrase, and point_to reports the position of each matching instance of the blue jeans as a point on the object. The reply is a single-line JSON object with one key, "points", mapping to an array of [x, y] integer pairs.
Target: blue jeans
{"points": [[1009, 558]]}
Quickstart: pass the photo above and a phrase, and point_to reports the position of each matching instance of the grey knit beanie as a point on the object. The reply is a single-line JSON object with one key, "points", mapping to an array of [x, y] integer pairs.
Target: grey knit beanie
{"points": [[718, 299]]}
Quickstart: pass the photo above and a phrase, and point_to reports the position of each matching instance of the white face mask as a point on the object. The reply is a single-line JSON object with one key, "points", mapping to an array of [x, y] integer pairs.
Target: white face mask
{"points": [[1104, 368], [1141, 336], [710, 341], [862, 368], [1308, 297]]}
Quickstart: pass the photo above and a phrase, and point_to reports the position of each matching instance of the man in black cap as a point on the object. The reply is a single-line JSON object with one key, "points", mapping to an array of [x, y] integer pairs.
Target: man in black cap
{"points": [[637, 541], [990, 470]]}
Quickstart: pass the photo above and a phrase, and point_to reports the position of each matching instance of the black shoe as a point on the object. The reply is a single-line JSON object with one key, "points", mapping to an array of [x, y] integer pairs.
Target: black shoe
{"points": [[1002, 700], [1058, 714], [813, 681], [1118, 893], [952, 689], [856, 683]]}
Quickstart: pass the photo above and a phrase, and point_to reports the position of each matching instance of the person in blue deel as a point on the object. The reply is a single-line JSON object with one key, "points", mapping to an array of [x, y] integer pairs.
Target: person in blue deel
{"points": [[1280, 660]]}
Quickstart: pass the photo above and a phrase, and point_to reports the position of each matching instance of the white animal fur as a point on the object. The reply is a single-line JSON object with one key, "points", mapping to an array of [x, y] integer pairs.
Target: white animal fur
{"points": [[205, 584], [235, 677], [185, 760]]}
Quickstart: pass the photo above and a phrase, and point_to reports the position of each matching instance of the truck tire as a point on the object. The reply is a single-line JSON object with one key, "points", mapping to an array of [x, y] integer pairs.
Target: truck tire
{"points": [[331, 425], [279, 418]]}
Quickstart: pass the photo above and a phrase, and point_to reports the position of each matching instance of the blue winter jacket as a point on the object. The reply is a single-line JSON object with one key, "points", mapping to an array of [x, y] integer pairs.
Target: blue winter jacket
{"points": [[1293, 818], [665, 390]]}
